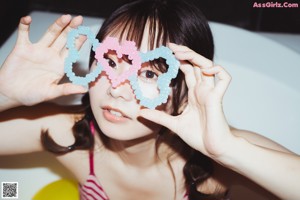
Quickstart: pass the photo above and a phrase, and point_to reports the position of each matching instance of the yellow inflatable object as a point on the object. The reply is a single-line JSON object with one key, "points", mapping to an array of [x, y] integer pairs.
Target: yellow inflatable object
{"points": [[59, 190]]}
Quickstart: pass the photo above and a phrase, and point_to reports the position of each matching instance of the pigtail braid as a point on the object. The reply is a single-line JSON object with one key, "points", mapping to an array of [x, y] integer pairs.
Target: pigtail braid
{"points": [[81, 131]]}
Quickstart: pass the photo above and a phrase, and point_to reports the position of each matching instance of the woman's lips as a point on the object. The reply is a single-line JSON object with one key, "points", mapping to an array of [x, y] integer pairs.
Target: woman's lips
{"points": [[114, 115]]}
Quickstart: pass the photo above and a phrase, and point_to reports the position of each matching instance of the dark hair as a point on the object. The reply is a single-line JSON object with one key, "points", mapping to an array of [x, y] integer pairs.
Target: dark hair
{"points": [[176, 21]]}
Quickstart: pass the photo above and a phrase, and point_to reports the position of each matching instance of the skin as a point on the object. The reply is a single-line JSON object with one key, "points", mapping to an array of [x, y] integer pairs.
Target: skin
{"points": [[38, 75]]}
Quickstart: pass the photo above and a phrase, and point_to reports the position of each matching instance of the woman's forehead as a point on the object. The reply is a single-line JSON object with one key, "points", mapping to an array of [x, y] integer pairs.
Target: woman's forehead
{"points": [[145, 39]]}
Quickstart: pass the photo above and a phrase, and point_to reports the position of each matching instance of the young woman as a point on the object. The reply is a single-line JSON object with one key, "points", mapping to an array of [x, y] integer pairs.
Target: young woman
{"points": [[118, 149]]}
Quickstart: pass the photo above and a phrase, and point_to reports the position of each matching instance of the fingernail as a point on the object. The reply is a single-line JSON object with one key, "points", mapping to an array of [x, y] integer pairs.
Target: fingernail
{"points": [[66, 18], [171, 44]]}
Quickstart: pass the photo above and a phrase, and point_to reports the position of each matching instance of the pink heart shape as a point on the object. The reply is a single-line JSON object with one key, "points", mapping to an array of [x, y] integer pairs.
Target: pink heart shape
{"points": [[127, 48]]}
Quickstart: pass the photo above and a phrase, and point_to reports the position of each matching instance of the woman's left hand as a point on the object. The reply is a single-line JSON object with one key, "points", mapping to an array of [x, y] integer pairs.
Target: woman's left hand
{"points": [[202, 124]]}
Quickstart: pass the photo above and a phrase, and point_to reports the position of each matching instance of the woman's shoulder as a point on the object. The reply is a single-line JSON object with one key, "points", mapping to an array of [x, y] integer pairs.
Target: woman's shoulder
{"points": [[59, 121]]}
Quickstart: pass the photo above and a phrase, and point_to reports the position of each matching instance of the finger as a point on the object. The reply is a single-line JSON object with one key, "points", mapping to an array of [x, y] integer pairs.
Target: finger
{"points": [[61, 40], [159, 117], [189, 74], [198, 61], [23, 30], [223, 77], [184, 53], [181, 48], [175, 47], [55, 29], [198, 74], [67, 89], [78, 44]]}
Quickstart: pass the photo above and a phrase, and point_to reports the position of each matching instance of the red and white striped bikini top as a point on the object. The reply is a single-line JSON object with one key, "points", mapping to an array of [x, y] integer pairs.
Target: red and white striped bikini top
{"points": [[92, 189]]}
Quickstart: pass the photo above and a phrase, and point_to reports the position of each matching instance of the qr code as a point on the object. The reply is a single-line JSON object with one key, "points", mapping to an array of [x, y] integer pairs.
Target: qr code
{"points": [[9, 190]]}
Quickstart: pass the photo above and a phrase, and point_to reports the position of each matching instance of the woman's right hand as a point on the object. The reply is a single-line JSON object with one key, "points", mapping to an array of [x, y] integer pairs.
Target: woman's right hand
{"points": [[32, 72]]}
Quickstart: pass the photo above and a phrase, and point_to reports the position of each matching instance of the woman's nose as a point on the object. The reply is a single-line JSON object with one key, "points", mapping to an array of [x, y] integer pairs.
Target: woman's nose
{"points": [[122, 90]]}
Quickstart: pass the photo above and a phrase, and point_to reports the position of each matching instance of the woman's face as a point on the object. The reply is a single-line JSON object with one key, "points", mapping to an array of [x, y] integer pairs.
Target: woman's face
{"points": [[116, 109]]}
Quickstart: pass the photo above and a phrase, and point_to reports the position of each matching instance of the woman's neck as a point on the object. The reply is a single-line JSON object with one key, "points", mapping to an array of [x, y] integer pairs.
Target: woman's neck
{"points": [[138, 153]]}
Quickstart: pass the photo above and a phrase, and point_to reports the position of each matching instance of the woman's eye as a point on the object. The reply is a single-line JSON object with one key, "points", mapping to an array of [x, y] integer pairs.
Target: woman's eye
{"points": [[149, 75], [111, 63]]}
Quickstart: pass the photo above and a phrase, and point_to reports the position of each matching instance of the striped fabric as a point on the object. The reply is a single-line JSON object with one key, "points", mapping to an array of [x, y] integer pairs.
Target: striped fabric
{"points": [[92, 190]]}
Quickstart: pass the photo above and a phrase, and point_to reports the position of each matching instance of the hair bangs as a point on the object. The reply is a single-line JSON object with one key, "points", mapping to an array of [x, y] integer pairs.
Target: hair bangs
{"points": [[135, 28]]}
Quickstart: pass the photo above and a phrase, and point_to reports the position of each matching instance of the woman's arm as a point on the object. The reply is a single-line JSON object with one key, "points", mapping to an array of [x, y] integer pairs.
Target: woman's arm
{"points": [[32, 71], [276, 171], [224, 178], [259, 140], [204, 127], [21, 127], [31, 75]]}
